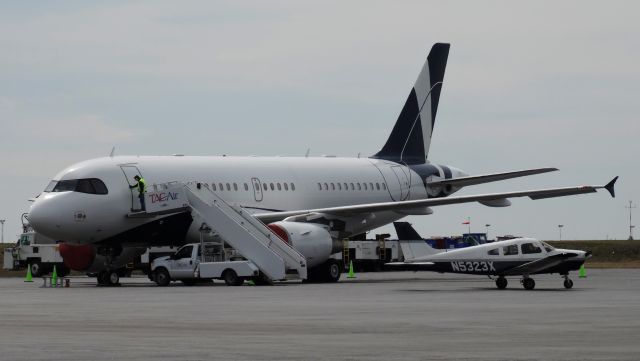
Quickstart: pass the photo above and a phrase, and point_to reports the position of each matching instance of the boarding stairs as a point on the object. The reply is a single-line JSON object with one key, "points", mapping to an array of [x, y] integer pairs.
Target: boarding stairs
{"points": [[275, 258]]}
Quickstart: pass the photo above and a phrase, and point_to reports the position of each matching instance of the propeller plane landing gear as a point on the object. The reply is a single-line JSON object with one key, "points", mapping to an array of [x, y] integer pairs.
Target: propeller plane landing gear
{"points": [[568, 283], [501, 283], [528, 283]]}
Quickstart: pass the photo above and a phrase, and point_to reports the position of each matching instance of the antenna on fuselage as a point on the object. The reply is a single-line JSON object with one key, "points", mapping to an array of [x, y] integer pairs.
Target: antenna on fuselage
{"points": [[113, 150], [306, 155]]}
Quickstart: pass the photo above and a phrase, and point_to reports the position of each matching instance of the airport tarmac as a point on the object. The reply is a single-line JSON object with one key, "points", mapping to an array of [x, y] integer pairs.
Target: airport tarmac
{"points": [[378, 316]]}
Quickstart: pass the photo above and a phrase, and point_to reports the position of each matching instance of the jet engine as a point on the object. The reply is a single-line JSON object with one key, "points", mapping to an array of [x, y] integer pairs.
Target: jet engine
{"points": [[312, 240], [86, 258]]}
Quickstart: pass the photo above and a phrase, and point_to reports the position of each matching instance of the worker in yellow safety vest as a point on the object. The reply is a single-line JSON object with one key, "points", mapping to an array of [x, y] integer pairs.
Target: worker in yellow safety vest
{"points": [[142, 188]]}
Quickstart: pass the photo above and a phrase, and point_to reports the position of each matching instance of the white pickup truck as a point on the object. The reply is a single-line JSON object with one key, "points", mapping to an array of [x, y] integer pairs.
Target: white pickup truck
{"points": [[190, 266]]}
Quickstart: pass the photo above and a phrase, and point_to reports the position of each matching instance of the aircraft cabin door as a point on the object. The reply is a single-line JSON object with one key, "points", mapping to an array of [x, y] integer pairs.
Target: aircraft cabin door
{"points": [[130, 171], [257, 190]]}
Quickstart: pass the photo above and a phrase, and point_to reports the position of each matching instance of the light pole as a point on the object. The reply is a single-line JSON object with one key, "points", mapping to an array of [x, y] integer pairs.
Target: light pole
{"points": [[631, 227], [2, 223], [560, 230]]}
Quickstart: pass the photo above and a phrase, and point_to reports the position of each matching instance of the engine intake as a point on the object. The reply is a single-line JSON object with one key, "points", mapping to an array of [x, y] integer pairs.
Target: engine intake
{"points": [[312, 240]]}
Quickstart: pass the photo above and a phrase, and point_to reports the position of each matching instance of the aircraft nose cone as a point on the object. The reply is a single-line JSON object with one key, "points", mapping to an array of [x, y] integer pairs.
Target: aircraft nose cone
{"points": [[44, 219]]}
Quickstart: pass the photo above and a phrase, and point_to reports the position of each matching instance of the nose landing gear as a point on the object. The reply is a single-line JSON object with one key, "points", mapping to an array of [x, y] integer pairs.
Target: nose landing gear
{"points": [[568, 283]]}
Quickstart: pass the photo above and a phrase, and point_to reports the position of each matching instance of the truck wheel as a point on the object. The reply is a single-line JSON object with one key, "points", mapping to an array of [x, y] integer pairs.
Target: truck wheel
{"points": [[162, 277], [37, 269], [231, 278]]}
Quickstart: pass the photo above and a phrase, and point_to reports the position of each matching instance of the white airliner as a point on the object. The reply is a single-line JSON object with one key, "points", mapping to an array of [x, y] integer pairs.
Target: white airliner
{"points": [[87, 204]]}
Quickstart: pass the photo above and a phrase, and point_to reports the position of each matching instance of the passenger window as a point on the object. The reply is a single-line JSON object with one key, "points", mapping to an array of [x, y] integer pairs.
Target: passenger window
{"points": [[319, 186], [264, 186], [359, 188], [371, 185], [235, 187], [293, 187], [530, 248], [353, 187], [221, 186], [272, 187], [333, 187], [339, 186], [378, 186], [365, 186], [326, 186], [246, 187], [511, 250], [279, 187], [345, 186], [228, 186], [384, 186], [286, 186], [493, 252], [213, 186]]}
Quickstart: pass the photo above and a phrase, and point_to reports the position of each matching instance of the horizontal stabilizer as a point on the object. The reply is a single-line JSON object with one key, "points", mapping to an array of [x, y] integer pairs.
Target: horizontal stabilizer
{"points": [[487, 178]]}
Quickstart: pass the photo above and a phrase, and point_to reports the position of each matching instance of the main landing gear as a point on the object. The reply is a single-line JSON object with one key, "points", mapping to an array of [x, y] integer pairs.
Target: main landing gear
{"points": [[501, 282], [108, 278], [528, 283]]}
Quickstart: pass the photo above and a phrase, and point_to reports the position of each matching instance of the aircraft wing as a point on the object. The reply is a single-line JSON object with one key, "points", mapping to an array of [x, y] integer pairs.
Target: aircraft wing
{"points": [[487, 178], [412, 206], [539, 264]]}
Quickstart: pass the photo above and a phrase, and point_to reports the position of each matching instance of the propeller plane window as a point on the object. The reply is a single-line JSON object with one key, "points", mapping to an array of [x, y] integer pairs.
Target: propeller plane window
{"points": [[494, 252], [530, 248], [511, 250]]}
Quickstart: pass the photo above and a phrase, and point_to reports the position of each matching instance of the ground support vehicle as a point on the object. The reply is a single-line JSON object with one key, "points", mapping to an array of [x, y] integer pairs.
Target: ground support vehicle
{"points": [[190, 266]]}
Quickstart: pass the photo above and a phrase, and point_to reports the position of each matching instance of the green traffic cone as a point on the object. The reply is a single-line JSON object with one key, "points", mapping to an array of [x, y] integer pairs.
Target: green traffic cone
{"points": [[351, 274], [29, 278], [54, 277], [582, 273]]}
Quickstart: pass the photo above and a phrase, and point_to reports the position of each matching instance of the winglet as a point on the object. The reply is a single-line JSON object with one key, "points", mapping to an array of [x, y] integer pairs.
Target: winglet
{"points": [[610, 186]]}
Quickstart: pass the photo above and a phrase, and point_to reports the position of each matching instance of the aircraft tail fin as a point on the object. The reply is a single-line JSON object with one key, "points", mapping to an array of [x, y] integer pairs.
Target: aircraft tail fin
{"points": [[412, 245], [411, 136]]}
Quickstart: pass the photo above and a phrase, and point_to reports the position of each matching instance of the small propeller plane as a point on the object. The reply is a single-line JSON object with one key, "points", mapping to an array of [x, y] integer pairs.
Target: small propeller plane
{"points": [[515, 257]]}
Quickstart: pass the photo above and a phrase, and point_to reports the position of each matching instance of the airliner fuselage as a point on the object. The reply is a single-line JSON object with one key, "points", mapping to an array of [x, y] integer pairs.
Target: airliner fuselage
{"points": [[89, 201]]}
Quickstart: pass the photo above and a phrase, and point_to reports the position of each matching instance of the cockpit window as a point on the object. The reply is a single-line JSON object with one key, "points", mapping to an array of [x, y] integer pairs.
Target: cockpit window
{"points": [[89, 186], [547, 247]]}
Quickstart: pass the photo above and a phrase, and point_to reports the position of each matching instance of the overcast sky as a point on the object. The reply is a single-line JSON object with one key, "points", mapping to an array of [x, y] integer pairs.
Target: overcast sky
{"points": [[527, 85]]}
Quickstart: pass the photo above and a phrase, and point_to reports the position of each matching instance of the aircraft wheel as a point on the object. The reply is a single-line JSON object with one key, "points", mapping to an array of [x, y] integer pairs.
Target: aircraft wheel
{"points": [[231, 278], [528, 283], [113, 278], [568, 283], [333, 271], [103, 278], [501, 283], [162, 277]]}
